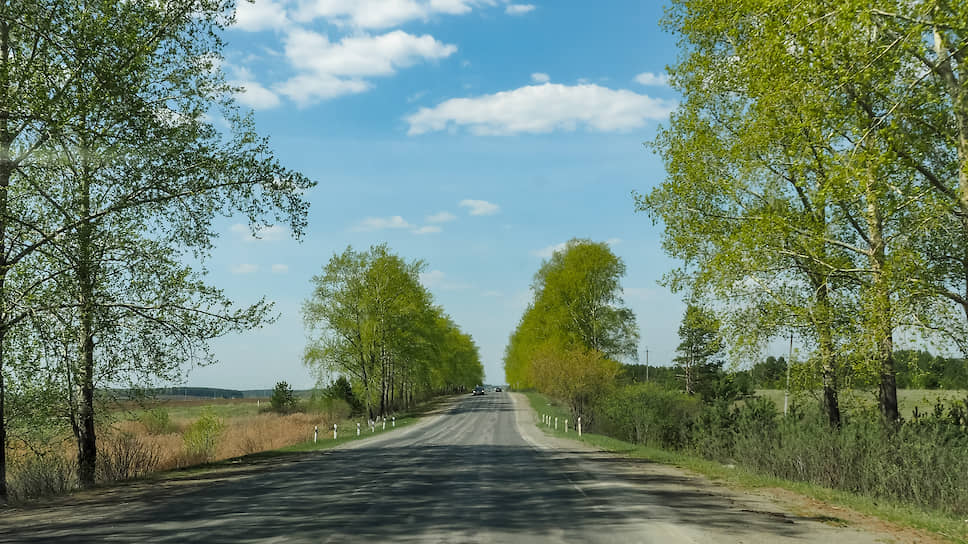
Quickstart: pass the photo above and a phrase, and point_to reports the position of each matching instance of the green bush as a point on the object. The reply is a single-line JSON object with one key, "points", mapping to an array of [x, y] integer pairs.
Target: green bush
{"points": [[157, 421], [283, 400], [648, 414], [201, 437], [341, 389]]}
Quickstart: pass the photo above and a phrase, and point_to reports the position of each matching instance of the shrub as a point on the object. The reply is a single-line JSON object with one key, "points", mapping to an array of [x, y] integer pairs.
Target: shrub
{"points": [[157, 421], [330, 409], [649, 414], [282, 399], [124, 456], [38, 476], [201, 437], [341, 389]]}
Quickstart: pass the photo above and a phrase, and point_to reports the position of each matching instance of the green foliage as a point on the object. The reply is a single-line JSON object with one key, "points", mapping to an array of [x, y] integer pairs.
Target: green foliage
{"points": [[374, 323], [577, 376], [770, 373], [202, 436], [650, 414], [341, 389], [575, 327], [332, 409], [698, 363], [156, 421], [282, 399]]}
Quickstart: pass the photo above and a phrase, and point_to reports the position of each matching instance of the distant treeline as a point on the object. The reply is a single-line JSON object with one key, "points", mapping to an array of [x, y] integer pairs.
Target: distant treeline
{"points": [[204, 392], [916, 369], [200, 392]]}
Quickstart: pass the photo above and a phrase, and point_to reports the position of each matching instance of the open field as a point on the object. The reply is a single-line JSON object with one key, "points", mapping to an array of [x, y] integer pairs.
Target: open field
{"points": [[908, 399]]}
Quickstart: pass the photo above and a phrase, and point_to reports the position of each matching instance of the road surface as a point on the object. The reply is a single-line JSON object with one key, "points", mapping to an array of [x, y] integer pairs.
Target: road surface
{"points": [[479, 471]]}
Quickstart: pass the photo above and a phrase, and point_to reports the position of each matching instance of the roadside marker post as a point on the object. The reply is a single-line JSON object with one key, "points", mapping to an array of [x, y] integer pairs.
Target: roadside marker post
{"points": [[315, 433], [357, 429], [556, 423], [334, 431], [384, 424], [394, 421], [566, 426], [579, 427]]}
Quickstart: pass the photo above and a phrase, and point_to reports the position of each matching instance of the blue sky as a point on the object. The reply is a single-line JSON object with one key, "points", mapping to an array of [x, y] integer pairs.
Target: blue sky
{"points": [[473, 134]]}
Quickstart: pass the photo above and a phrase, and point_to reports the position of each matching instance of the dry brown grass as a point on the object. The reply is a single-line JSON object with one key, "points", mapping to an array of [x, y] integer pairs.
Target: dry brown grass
{"points": [[242, 436], [126, 449]]}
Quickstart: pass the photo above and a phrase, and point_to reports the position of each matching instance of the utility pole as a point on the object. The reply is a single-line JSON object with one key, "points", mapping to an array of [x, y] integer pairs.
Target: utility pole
{"points": [[646, 363], [786, 393]]}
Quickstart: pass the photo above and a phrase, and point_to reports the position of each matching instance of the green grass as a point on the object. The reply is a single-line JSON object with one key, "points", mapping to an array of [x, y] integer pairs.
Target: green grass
{"points": [[945, 526], [907, 399]]}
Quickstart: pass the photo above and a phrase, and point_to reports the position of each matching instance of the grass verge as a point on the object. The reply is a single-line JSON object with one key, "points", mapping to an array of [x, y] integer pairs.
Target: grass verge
{"points": [[905, 515]]}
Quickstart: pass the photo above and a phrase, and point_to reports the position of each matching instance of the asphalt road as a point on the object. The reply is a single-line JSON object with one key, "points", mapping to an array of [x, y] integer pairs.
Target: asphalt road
{"points": [[478, 472]]}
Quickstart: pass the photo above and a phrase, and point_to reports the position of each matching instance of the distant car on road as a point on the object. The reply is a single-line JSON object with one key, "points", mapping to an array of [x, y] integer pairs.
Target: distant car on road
{"points": [[497, 389], [478, 390]]}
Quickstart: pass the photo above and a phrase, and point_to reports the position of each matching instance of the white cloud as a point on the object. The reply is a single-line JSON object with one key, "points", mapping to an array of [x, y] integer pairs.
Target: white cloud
{"points": [[547, 252], [429, 229], [479, 207], [613, 241], [271, 233], [260, 15], [244, 268], [255, 95], [280, 268], [652, 80], [442, 217], [362, 55], [542, 109], [308, 88], [327, 69], [518, 9], [377, 14], [381, 223], [540, 77], [492, 294]]}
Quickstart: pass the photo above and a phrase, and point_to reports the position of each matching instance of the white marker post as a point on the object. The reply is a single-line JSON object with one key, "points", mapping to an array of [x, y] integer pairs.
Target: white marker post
{"points": [[556, 423], [394, 421], [566, 426], [315, 433], [384, 424], [579, 427], [334, 431], [357, 429]]}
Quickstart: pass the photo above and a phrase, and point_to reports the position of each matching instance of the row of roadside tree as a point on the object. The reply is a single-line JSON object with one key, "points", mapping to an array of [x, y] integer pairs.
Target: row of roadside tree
{"points": [[373, 322]]}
